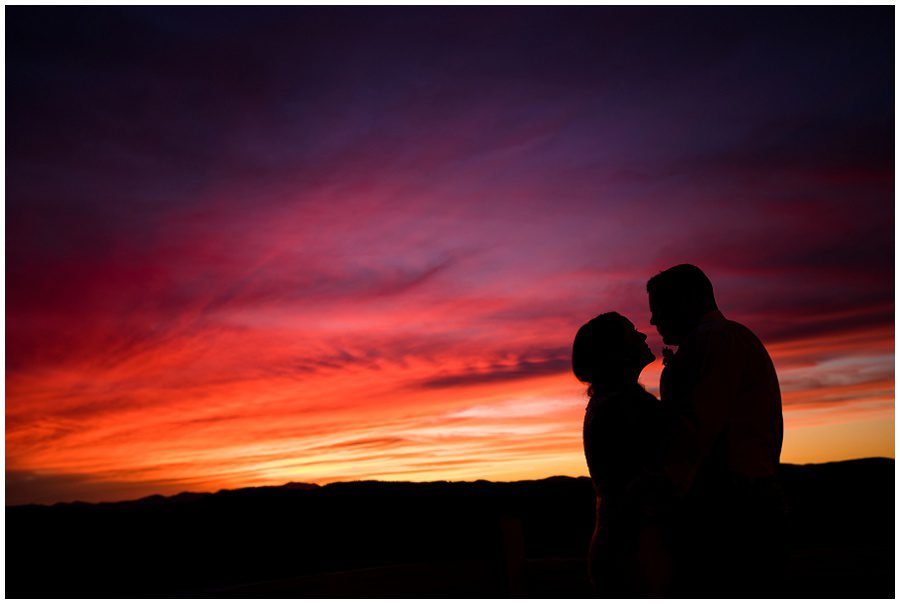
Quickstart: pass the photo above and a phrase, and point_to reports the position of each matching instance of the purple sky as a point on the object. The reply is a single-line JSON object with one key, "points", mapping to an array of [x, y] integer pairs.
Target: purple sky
{"points": [[227, 215]]}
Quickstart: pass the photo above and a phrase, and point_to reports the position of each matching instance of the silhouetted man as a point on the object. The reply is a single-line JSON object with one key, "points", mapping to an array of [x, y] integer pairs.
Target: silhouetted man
{"points": [[720, 460]]}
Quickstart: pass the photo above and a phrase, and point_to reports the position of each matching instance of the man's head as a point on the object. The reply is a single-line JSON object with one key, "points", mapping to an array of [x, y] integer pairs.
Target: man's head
{"points": [[679, 296]]}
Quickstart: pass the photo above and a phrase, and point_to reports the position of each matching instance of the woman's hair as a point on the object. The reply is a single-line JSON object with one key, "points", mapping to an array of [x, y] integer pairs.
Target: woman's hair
{"points": [[596, 348]]}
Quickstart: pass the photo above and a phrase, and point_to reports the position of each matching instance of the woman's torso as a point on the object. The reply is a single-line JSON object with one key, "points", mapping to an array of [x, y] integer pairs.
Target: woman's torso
{"points": [[622, 435]]}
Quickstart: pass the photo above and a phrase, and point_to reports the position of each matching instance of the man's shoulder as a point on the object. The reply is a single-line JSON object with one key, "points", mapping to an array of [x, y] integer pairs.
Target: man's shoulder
{"points": [[717, 326], [731, 337], [743, 332], [717, 335], [712, 329]]}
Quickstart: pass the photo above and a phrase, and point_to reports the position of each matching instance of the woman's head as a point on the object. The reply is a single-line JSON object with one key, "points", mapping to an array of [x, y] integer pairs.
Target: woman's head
{"points": [[609, 352]]}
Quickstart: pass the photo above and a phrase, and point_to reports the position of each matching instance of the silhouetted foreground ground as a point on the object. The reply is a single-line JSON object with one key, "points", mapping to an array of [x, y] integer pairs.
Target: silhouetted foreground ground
{"points": [[376, 539]]}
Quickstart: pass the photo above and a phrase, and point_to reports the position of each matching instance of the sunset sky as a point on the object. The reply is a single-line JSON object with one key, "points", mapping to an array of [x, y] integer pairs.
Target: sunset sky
{"points": [[248, 246]]}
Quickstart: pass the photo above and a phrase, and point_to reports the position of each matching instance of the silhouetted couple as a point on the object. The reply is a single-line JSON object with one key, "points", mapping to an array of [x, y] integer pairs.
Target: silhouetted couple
{"points": [[688, 501]]}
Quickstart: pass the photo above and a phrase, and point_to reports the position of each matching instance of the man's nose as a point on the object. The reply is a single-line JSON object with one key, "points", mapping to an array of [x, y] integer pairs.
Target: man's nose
{"points": [[643, 336]]}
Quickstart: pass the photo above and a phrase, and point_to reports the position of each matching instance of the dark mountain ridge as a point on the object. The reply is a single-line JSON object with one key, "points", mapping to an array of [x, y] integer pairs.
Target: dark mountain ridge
{"points": [[406, 539]]}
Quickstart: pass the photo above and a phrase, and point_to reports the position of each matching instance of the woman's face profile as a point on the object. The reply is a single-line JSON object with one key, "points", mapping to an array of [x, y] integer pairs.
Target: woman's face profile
{"points": [[609, 349], [635, 344]]}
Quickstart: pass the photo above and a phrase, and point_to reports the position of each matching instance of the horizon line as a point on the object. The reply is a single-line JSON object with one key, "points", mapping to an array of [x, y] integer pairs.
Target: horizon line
{"points": [[315, 485]]}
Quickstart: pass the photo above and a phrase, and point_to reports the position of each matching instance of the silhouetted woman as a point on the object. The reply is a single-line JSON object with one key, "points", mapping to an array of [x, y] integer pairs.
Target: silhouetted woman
{"points": [[623, 427]]}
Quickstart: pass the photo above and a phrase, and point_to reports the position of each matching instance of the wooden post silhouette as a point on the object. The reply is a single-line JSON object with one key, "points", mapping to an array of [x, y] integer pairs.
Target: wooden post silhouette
{"points": [[514, 554]]}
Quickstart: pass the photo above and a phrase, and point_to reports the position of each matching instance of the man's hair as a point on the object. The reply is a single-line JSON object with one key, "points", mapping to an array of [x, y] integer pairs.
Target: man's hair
{"points": [[686, 282]]}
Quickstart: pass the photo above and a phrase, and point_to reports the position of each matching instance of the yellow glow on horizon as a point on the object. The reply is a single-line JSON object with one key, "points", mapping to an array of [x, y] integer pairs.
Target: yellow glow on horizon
{"points": [[851, 439], [395, 421]]}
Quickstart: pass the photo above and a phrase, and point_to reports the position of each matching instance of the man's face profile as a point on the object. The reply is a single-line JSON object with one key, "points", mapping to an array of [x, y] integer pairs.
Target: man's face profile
{"points": [[663, 317]]}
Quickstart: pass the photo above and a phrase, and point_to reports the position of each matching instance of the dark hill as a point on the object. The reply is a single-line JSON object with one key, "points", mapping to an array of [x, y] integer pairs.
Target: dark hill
{"points": [[403, 539]]}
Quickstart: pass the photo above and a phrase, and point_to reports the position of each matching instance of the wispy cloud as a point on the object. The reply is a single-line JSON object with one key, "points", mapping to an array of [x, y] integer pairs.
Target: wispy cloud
{"points": [[364, 248]]}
